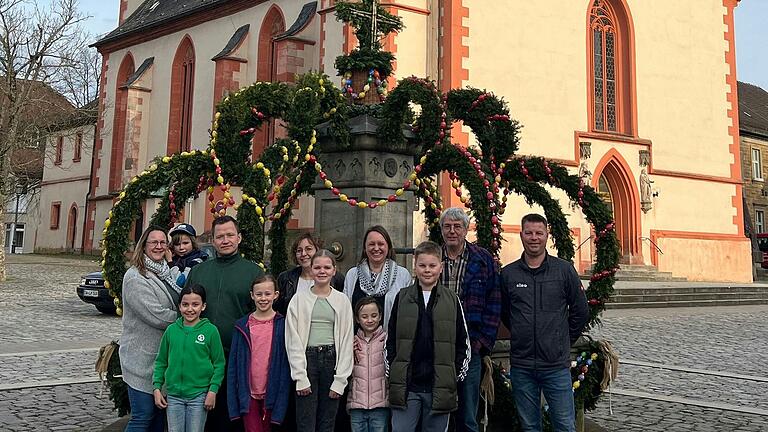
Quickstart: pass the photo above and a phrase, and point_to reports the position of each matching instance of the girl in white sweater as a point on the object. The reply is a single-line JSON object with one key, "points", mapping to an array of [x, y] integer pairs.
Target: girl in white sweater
{"points": [[319, 341]]}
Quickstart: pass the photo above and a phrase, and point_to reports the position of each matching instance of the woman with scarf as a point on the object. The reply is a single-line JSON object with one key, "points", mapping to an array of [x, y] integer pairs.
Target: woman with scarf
{"points": [[377, 274], [150, 299]]}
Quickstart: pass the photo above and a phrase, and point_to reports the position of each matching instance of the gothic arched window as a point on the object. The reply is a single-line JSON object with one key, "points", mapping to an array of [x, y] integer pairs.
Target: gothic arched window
{"points": [[182, 89], [611, 67]]}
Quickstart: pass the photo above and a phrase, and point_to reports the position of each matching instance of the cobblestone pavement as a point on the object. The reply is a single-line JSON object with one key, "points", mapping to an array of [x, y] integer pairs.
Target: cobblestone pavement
{"points": [[48, 334], [631, 414], [76, 407], [726, 339]]}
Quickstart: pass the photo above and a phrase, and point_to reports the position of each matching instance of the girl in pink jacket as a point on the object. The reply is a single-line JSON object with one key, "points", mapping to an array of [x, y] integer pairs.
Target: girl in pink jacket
{"points": [[367, 401]]}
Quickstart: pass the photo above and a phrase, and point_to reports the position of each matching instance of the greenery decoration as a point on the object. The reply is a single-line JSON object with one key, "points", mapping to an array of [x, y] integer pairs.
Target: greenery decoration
{"points": [[481, 175], [371, 22]]}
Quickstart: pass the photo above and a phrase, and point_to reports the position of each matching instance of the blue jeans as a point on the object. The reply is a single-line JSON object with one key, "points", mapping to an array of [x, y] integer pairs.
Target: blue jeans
{"points": [[371, 420], [469, 396], [418, 408], [145, 416], [186, 414], [527, 386]]}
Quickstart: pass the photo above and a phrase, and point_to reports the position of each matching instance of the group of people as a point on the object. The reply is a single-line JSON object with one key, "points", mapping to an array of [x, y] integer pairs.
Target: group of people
{"points": [[218, 345]]}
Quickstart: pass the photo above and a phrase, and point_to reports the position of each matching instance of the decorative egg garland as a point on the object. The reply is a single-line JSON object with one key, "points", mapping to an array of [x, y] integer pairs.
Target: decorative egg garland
{"points": [[374, 79]]}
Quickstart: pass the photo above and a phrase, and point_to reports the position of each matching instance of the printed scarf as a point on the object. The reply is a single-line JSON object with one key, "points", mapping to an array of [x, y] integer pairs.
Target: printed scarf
{"points": [[383, 282]]}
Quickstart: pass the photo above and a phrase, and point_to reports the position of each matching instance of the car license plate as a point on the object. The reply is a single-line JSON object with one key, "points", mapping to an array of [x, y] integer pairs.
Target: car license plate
{"points": [[90, 293]]}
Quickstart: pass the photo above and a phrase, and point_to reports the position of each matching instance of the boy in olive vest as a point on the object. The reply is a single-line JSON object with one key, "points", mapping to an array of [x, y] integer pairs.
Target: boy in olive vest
{"points": [[428, 349]]}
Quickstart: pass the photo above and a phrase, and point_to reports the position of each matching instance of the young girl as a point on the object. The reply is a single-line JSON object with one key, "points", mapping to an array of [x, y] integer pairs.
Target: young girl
{"points": [[185, 252], [319, 343], [258, 377], [190, 362], [368, 396]]}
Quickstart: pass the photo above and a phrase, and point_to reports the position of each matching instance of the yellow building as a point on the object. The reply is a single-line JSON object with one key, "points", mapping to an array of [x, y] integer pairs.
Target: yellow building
{"points": [[639, 96]]}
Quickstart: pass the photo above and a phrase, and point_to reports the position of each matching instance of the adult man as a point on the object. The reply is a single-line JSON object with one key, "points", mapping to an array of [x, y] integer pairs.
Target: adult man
{"points": [[545, 309], [227, 282], [470, 271]]}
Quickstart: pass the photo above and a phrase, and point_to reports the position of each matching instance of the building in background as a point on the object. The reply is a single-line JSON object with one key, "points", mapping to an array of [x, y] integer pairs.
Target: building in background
{"points": [[638, 97], [66, 181]]}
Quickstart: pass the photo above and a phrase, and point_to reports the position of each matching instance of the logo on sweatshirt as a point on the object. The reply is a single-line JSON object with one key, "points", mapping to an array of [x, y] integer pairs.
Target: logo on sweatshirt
{"points": [[201, 339], [521, 285]]}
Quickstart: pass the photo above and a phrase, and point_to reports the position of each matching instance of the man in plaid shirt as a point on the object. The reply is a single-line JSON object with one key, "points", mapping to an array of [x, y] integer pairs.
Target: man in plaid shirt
{"points": [[472, 273]]}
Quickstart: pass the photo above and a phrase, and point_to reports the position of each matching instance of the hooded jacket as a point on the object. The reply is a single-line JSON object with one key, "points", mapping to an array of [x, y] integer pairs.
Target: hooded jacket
{"points": [[190, 359], [238, 372]]}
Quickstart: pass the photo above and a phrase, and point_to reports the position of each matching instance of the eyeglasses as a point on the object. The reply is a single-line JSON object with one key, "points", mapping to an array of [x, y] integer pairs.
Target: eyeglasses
{"points": [[156, 243]]}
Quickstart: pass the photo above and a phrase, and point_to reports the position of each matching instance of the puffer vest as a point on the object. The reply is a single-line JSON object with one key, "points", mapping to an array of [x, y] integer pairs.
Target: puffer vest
{"points": [[369, 380], [443, 328]]}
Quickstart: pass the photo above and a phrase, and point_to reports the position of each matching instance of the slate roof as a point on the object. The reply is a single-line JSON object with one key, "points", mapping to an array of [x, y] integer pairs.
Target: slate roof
{"points": [[753, 109], [153, 13]]}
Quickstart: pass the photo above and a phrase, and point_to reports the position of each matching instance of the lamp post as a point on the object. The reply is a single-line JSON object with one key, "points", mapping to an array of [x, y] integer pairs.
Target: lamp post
{"points": [[21, 189]]}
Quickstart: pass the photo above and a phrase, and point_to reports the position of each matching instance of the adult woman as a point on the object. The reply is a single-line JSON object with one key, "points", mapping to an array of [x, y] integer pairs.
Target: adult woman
{"points": [[377, 274], [149, 306], [299, 278]]}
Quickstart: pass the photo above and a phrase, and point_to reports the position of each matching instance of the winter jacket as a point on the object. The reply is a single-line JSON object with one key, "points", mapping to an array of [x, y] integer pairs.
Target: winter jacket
{"points": [[227, 282], [481, 299], [297, 324], [287, 282], [369, 379], [190, 359], [182, 265], [428, 348], [148, 309], [545, 310], [239, 374]]}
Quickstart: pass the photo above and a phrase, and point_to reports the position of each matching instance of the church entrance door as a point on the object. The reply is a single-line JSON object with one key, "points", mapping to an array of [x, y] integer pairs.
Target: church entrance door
{"points": [[616, 186]]}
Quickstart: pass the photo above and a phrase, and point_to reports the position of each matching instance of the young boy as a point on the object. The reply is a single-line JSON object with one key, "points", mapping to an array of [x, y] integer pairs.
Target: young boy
{"points": [[428, 349]]}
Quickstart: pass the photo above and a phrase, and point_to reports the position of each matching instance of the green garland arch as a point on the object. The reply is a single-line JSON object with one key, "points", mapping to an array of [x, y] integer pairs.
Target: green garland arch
{"points": [[288, 168]]}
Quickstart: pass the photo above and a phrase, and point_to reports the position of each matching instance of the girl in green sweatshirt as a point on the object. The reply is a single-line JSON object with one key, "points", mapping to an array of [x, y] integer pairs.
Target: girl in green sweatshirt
{"points": [[190, 362]]}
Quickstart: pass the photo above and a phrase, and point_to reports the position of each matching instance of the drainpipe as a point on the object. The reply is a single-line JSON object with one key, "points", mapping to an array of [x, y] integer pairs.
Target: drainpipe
{"points": [[88, 194]]}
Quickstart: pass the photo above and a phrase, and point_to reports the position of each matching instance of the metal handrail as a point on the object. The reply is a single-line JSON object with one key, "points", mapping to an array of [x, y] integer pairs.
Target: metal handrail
{"points": [[582, 243], [654, 244]]}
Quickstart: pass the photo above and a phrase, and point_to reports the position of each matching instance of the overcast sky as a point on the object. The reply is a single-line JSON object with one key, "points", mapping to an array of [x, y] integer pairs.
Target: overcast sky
{"points": [[751, 34]]}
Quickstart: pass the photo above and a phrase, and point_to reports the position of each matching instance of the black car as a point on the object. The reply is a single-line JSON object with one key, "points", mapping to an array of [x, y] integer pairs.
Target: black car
{"points": [[91, 290]]}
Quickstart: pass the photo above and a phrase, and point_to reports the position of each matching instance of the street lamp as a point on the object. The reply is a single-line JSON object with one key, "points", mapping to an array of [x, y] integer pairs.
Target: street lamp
{"points": [[21, 189]]}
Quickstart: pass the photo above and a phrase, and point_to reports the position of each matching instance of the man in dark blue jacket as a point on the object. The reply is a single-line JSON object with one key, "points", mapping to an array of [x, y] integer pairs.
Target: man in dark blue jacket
{"points": [[545, 309]]}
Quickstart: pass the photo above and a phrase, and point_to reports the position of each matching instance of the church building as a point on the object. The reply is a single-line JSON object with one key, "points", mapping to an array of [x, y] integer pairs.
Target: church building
{"points": [[638, 97]]}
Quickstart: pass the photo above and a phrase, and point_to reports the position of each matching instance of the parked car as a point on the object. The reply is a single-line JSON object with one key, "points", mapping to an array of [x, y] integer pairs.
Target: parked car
{"points": [[91, 289]]}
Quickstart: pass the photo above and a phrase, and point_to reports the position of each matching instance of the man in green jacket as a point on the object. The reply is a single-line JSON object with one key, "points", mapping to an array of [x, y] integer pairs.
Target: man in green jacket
{"points": [[227, 281]]}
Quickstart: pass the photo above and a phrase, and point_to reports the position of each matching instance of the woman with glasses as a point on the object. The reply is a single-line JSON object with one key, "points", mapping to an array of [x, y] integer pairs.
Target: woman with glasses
{"points": [[149, 306], [299, 278]]}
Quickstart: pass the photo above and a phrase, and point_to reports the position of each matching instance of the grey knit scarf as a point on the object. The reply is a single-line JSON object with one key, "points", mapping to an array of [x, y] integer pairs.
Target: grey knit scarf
{"points": [[162, 271]]}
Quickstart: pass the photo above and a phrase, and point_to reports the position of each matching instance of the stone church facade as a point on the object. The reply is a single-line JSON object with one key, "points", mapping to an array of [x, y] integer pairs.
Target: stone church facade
{"points": [[639, 97]]}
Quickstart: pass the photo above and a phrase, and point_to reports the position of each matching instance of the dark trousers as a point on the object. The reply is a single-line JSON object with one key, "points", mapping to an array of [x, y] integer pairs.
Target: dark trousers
{"points": [[316, 412], [218, 418]]}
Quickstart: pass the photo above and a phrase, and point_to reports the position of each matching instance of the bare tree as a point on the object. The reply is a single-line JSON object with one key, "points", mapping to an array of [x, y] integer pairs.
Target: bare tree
{"points": [[37, 46]]}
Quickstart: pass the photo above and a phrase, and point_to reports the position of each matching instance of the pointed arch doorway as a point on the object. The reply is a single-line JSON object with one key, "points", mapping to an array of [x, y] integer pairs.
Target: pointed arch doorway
{"points": [[614, 182]]}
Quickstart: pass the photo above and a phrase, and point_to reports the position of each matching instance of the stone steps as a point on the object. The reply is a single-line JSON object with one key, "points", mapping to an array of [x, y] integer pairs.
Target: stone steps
{"points": [[687, 296], [630, 272], [692, 303]]}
